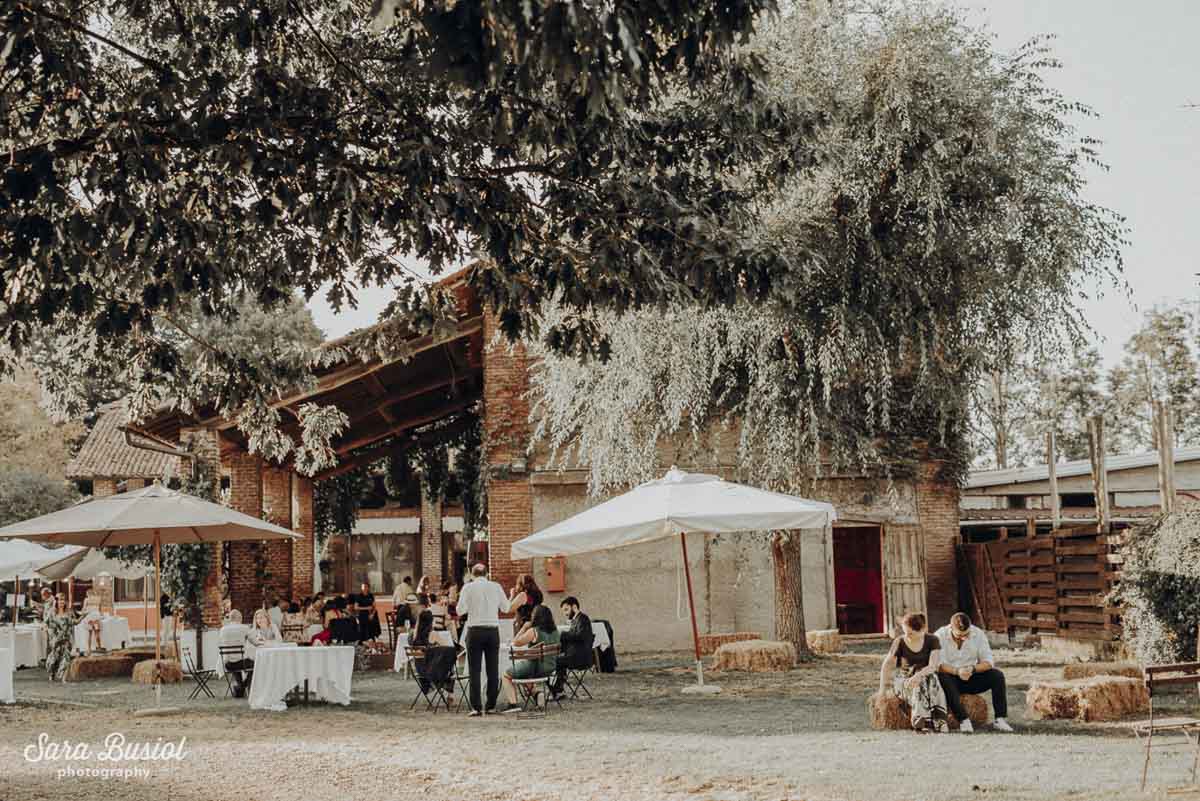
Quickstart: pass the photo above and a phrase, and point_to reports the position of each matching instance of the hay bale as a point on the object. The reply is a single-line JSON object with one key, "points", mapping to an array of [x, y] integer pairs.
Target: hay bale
{"points": [[164, 671], [891, 712], [825, 641], [709, 643], [1086, 670], [756, 656], [1093, 699], [144, 652], [83, 668]]}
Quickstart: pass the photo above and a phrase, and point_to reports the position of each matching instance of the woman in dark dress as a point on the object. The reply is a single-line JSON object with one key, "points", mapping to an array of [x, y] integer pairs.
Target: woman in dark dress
{"points": [[368, 615], [910, 671], [526, 596], [439, 659]]}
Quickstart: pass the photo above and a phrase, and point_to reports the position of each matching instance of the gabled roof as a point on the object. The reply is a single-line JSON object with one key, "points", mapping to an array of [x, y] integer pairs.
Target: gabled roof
{"points": [[1079, 467], [105, 454]]}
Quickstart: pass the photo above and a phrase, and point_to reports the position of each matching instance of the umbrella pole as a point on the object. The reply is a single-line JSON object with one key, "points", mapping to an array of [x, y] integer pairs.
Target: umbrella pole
{"points": [[700, 686], [157, 595]]}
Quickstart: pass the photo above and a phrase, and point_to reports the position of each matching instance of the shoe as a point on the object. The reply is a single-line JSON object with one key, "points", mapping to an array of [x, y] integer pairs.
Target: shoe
{"points": [[541, 700], [966, 727], [474, 713], [1002, 725], [511, 708]]}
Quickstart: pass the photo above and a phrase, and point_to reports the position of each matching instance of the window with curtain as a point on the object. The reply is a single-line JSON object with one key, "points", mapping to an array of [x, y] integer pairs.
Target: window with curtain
{"points": [[382, 561], [126, 590]]}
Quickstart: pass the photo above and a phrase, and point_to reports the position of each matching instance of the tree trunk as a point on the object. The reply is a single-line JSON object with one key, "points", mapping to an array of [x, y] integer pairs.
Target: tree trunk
{"points": [[789, 591], [1000, 421]]}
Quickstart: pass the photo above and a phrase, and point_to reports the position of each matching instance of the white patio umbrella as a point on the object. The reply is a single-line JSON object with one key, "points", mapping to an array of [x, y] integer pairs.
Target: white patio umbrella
{"points": [[673, 505], [149, 516], [90, 563], [21, 559]]}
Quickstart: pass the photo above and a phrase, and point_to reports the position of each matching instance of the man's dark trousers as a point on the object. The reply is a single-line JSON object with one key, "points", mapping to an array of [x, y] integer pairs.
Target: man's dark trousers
{"points": [[979, 683], [483, 645]]}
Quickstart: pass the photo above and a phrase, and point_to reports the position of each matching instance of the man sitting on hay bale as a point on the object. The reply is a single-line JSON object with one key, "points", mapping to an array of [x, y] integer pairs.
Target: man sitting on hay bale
{"points": [[967, 666]]}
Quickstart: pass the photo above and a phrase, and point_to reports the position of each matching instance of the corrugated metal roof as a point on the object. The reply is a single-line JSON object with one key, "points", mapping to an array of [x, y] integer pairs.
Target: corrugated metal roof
{"points": [[105, 453], [1079, 467]]}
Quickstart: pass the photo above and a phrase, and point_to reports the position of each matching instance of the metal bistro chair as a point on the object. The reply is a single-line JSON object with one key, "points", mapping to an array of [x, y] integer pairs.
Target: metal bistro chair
{"points": [[227, 654], [1157, 677], [392, 628], [528, 689], [432, 692], [200, 676], [575, 675]]}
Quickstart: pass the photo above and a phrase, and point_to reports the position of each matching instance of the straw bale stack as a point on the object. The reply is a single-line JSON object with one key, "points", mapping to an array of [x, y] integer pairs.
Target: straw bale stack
{"points": [[83, 668], [825, 641], [891, 712], [756, 656], [1093, 699], [150, 672]]}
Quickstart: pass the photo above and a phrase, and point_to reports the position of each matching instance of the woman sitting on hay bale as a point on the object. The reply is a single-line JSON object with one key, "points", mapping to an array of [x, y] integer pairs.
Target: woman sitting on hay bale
{"points": [[910, 670]]}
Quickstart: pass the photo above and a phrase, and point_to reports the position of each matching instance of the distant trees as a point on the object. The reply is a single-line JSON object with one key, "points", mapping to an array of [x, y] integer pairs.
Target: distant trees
{"points": [[25, 494]]}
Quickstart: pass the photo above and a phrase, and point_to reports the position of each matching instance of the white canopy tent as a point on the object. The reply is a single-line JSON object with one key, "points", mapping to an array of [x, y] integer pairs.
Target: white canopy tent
{"points": [[671, 506], [20, 559]]}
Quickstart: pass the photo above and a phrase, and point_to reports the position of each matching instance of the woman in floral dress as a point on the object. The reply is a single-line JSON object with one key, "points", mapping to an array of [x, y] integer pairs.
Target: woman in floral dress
{"points": [[60, 639]]}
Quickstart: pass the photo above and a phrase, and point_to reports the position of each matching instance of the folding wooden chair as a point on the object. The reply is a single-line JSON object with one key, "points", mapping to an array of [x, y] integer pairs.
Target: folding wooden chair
{"points": [[228, 654], [432, 692], [392, 628], [529, 689], [200, 677], [1157, 677]]}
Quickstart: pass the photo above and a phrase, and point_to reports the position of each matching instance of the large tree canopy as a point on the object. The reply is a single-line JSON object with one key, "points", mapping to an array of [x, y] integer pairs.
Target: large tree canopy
{"points": [[894, 188], [945, 215]]}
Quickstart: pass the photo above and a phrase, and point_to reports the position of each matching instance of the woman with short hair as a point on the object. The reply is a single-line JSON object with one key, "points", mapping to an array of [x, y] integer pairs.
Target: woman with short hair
{"points": [[910, 671]]}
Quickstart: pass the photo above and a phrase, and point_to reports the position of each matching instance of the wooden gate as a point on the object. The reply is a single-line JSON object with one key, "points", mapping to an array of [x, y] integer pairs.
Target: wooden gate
{"points": [[903, 572], [1052, 583]]}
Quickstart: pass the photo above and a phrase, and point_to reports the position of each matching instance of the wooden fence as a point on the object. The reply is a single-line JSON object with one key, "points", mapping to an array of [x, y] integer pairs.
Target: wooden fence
{"points": [[1052, 583]]}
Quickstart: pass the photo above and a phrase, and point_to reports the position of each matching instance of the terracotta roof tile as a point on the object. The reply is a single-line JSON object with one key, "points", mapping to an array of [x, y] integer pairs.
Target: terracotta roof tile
{"points": [[105, 454]]}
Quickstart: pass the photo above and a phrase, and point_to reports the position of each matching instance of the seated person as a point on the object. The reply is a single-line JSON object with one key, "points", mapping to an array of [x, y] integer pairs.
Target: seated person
{"points": [[264, 630], [439, 659], [540, 631], [328, 614], [367, 614], [233, 634], [576, 642], [402, 596], [967, 666], [314, 612], [293, 624], [910, 670], [277, 611]]}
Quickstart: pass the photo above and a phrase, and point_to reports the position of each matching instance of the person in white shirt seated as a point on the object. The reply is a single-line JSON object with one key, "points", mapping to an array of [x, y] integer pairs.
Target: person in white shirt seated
{"points": [[233, 634], [276, 612], [967, 666], [264, 631]]}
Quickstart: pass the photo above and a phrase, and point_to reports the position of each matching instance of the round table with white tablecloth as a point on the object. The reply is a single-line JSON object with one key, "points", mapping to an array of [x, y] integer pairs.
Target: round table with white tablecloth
{"points": [[280, 669], [599, 635], [6, 677], [114, 632], [27, 644]]}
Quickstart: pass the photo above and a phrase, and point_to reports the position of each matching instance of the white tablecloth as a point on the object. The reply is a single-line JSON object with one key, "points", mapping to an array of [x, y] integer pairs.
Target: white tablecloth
{"points": [[27, 644], [401, 659], [278, 670], [114, 634], [600, 634], [6, 677]]}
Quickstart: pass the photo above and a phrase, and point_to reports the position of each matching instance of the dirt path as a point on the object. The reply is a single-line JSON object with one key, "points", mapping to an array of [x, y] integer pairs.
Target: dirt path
{"points": [[800, 735]]}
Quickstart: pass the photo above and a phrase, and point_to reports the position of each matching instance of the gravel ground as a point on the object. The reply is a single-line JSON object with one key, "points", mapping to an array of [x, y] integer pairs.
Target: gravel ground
{"points": [[799, 735]]}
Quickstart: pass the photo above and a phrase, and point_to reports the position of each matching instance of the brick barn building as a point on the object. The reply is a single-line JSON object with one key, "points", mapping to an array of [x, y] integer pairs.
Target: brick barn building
{"points": [[886, 555]]}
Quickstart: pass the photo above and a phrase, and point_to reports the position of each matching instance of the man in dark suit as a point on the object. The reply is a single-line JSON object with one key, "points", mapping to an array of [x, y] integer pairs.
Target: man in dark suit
{"points": [[576, 643]]}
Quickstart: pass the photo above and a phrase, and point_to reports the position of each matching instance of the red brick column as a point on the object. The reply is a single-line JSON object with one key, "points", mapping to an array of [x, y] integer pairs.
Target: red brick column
{"points": [[203, 443], [246, 496], [302, 523], [132, 484], [431, 537], [103, 487], [937, 506], [277, 499], [506, 429]]}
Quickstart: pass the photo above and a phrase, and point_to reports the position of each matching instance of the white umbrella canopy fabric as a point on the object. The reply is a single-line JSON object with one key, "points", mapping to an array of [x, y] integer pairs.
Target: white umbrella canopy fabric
{"points": [[88, 563], [141, 516], [670, 506], [21, 559], [666, 507]]}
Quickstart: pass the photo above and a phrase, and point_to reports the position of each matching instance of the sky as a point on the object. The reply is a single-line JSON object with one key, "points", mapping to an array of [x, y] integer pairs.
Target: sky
{"points": [[1137, 65]]}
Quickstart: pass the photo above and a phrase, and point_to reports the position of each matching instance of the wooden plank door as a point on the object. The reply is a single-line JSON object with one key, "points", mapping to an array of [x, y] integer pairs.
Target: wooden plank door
{"points": [[903, 572]]}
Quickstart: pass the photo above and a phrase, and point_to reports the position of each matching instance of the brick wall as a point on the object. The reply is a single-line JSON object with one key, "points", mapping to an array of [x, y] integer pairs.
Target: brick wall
{"points": [[132, 484], [937, 504], [277, 500], [302, 523], [103, 487], [203, 443], [431, 537], [246, 496], [506, 429]]}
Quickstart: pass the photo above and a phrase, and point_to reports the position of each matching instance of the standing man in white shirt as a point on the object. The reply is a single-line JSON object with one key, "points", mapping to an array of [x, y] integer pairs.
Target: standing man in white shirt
{"points": [[968, 667], [483, 601]]}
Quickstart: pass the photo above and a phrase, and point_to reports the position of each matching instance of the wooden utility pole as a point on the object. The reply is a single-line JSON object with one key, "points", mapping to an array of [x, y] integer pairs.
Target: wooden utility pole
{"points": [[1096, 450], [1055, 500], [1164, 433]]}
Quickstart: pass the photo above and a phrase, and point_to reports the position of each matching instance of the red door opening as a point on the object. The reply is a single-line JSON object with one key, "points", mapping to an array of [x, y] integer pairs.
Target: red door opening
{"points": [[858, 579]]}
